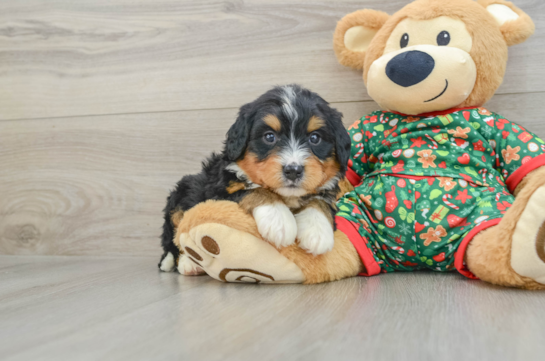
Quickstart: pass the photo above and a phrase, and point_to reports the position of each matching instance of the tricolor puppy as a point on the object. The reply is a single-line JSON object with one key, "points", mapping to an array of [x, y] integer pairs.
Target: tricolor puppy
{"points": [[282, 162]]}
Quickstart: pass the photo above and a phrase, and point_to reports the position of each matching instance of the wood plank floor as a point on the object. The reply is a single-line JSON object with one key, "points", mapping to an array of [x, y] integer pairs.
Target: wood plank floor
{"points": [[80, 308]]}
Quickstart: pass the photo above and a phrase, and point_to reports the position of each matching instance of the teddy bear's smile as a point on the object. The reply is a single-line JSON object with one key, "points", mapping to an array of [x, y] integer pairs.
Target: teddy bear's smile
{"points": [[443, 92]]}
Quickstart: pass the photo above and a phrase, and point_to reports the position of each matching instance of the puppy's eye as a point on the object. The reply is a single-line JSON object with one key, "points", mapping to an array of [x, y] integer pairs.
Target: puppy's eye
{"points": [[269, 138], [443, 38], [404, 40], [315, 138]]}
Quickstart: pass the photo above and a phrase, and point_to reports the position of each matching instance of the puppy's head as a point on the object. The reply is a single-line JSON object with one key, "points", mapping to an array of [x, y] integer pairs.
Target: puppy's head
{"points": [[289, 140]]}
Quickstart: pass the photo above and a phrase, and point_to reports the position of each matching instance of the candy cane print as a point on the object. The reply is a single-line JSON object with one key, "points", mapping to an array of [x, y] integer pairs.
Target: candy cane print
{"points": [[358, 154], [483, 172], [453, 206], [498, 196], [399, 249], [434, 146]]}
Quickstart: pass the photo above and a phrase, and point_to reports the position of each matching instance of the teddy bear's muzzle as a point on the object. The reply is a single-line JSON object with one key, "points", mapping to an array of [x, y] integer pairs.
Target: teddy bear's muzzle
{"points": [[421, 79]]}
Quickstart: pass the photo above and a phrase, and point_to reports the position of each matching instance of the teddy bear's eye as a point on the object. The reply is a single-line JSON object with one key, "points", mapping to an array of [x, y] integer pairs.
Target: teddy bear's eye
{"points": [[443, 38], [404, 40]]}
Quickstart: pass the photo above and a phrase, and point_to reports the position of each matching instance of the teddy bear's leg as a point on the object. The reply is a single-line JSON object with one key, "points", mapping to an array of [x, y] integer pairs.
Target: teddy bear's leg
{"points": [[341, 262], [222, 239], [513, 252]]}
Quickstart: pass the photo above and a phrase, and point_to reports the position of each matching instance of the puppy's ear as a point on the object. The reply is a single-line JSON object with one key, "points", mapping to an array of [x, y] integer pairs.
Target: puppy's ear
{"points": [[342, 139], [515, 25], [343, 145], [239, 133], [353, 35]]}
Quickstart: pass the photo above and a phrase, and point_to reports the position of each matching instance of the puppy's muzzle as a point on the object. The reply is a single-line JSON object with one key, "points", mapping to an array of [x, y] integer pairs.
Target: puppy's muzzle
{"points": [[293, 171]]}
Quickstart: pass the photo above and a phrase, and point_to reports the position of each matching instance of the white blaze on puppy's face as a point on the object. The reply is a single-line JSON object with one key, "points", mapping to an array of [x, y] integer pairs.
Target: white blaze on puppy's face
{"points": [[295, 153], [314, 231], [288, 105]]}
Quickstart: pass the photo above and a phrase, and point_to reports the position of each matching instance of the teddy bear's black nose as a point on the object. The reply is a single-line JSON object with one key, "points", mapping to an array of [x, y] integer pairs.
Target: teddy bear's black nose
{"points": [[410, 68]]}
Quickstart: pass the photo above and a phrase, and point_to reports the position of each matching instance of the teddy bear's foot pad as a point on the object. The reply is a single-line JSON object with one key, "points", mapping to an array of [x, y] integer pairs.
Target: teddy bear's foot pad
{"points": [[528, 247], [230, 255]]}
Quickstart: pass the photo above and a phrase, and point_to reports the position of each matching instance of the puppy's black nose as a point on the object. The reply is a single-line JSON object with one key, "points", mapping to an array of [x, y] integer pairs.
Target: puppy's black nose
{"points": [[293, 171], [410, 68]]}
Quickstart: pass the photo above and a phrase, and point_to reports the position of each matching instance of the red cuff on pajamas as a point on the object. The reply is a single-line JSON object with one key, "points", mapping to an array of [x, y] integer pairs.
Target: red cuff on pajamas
{"points": [[353, 177], [371, 266], [517, 177], [461, 252]]}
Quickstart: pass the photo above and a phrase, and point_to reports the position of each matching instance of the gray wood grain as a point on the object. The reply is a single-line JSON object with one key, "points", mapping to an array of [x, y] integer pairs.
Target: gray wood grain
{"points": [[97, 185], [81, 308], [64, 58]]}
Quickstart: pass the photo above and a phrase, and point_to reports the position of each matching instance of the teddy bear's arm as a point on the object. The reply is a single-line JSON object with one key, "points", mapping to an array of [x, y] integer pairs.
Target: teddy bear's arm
{"points": [[518, 151]]}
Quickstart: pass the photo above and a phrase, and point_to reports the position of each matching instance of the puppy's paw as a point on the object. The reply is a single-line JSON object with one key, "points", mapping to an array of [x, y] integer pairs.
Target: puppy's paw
{"points": [[187, 267], [314, 231], [276, 224], [168, 263]]}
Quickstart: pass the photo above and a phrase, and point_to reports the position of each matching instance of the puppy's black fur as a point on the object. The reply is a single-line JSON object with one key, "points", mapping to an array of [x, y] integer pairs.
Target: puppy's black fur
{"points": [[245, 135]]}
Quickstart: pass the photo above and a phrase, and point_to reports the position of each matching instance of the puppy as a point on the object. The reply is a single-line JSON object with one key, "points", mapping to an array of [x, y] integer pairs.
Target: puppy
{"points": [[282, 162]]}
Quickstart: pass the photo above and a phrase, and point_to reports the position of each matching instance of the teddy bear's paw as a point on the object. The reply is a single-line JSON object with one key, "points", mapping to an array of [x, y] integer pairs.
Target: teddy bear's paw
{"points": [[314, 232], [528, 247], [188, 267], [276, 224], [231, 255]]}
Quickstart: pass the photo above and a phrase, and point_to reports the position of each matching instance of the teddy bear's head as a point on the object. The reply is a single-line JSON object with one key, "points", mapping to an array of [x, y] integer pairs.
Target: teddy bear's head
{"points": [[432, 55]]}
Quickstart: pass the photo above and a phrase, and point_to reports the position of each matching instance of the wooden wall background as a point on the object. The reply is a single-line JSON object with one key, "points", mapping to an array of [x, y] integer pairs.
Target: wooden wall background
{"points": [[104, 105]]}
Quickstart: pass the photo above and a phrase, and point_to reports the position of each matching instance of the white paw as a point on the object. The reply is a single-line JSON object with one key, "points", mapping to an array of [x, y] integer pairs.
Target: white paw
{"points": [[314, 232], [188, 267], [276, 224], [167, 264]]}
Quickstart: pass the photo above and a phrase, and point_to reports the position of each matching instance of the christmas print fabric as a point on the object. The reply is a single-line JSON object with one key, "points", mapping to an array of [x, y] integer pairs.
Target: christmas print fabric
{"points": [[471, 144], [426, 182]]}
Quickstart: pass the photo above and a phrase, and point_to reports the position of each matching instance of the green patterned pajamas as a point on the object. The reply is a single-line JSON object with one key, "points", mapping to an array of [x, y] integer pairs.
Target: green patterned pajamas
{"points": [[426, 185]]}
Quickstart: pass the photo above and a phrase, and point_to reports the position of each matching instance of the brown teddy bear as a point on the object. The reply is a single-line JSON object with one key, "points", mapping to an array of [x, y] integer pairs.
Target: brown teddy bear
{"points": [[436, 181]]}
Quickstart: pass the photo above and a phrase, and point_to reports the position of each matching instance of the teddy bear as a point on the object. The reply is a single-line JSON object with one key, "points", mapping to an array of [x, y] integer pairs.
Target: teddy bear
{"points": [[435, 180]]}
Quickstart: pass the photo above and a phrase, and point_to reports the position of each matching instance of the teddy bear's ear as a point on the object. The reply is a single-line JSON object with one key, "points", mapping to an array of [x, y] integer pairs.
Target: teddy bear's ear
{"points": [[353, 35], [515, 25]]}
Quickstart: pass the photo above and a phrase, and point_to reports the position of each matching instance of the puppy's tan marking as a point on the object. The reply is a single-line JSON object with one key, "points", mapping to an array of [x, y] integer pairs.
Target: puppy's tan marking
{"points": [[258, 197], [176, 217], [318, 173], [273, 122], [267, 173], [315, 123], [345, 187], [234, 187], [331, 168]]}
